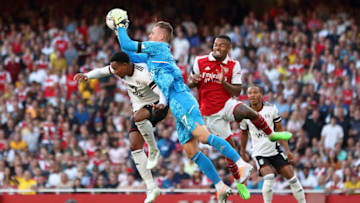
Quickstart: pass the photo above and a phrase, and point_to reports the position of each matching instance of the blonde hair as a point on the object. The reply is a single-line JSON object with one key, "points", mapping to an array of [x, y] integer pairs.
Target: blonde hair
{"points": [[168, 28]]}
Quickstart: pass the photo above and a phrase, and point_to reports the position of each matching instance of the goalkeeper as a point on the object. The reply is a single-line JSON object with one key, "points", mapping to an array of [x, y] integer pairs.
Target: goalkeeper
{"points": [[189, 122]]}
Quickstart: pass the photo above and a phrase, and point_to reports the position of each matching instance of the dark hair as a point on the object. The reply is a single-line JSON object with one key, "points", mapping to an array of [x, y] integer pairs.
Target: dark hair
{"points": [[261, 89], [168, 28], [334, 117], [225, 37], [120, 57]]}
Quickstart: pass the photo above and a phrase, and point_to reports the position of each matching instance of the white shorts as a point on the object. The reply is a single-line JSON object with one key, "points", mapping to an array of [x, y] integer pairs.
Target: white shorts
{"points": [[219, 123]]}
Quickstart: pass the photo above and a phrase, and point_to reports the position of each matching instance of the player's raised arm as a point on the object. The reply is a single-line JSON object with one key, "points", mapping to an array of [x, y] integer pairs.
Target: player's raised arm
{"points": [[95, 73], [136, 57], [159, 39], [127, 44]]}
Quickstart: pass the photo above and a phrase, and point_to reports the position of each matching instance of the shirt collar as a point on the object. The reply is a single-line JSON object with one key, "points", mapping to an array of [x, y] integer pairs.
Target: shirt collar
{"points": [[212, 58]]}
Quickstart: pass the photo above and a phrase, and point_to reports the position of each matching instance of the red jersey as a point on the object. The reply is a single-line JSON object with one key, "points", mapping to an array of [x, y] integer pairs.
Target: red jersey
{"points": [[184, 72], [61, 44], [212, 94], [50, 85], [42, 64], [71, 85], [4, 78], [22, 94], [297, 68], [348, 96], [49, 132]]}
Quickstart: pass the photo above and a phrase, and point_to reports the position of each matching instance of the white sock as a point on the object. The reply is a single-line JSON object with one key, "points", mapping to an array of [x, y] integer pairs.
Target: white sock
{"points": [[219, 185], [297, 190], [241, 162], [267, 190], [146, 130], [140, 160]]}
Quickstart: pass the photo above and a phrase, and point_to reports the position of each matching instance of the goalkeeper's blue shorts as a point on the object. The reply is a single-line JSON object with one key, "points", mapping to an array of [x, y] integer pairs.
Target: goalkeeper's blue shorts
{"points": [[185, 109]]}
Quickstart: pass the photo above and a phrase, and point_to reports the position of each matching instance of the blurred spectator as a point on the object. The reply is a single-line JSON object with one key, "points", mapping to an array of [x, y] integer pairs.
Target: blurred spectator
{"points": [[27, 183], [165, 144], [181, 45], [331, 134], [95, 31], [313, 125], [307, 179], [55, 175], [170, 181], [334, 184], [18, 144], [130, 183], [352, 184], [113, 182], [64, 183]]}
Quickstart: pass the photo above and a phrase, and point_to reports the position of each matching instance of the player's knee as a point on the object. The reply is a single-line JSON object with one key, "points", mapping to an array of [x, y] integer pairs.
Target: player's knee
{"points": [[138, 118], [190, 154], [134, 147], [287, 171], [191, 148], [244, 112], [141, 115], [201, 133]]}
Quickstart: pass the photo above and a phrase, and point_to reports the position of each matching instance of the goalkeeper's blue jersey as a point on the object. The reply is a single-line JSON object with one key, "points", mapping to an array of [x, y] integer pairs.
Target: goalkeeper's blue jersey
{"points": [[159, 59]]}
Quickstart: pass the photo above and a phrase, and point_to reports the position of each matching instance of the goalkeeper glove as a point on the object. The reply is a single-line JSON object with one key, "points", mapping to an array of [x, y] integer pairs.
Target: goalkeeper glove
{"points": [[120, 19]]}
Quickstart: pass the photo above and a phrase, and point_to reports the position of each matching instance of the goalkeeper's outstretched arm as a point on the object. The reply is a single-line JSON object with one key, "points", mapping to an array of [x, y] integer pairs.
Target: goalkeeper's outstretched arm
{"points": [[134, 57], [127, 44]]}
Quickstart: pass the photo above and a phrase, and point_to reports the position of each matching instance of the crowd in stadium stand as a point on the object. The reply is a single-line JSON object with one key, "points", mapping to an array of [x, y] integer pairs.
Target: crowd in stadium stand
{"points": [[56, 133]]}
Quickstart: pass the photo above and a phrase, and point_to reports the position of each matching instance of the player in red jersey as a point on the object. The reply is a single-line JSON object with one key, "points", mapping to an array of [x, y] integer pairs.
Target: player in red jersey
{"points": [[218, 79]]}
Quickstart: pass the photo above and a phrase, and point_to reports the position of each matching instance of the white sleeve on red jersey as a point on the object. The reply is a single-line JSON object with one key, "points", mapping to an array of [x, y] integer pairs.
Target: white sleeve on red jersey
{"points": [[195, 69], [236, 75]]}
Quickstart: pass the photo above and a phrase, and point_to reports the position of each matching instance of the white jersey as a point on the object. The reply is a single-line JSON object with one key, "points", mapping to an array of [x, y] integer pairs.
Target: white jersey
{"points": [[261, 145], [140, 86]]}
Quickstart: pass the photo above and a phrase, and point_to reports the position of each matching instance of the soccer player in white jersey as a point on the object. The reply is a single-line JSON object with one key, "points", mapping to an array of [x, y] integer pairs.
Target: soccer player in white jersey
{"points": [[266, 154], [149, 106]]}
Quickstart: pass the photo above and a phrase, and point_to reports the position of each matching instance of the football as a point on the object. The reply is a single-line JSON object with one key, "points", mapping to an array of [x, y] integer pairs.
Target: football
{"points": [[115, 12]]}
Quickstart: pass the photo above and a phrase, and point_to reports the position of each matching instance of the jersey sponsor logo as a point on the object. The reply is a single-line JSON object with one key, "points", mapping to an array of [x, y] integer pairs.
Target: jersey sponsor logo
{"points": [[207, 68], [259, 135], [210, 77]]}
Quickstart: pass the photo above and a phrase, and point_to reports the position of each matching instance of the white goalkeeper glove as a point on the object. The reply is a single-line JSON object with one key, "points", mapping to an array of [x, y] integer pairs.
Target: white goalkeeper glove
{"points": [[120, 18]]}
